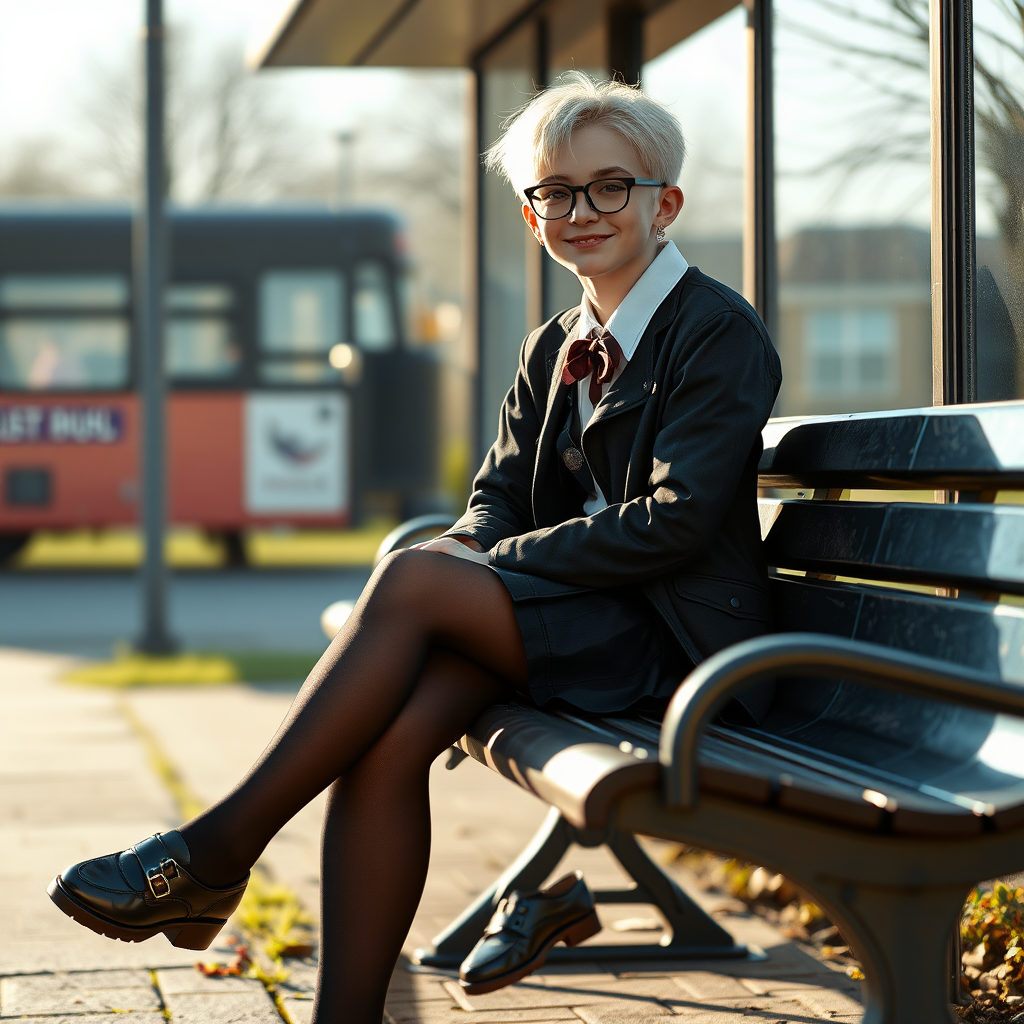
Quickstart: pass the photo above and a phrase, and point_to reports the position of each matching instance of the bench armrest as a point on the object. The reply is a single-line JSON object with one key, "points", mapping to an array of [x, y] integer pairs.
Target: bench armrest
{"points": [[412, 531], [706, 689]]}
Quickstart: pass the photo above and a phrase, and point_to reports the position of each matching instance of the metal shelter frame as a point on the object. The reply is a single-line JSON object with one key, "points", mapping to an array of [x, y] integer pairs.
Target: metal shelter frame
{"points": [[954, 302]]}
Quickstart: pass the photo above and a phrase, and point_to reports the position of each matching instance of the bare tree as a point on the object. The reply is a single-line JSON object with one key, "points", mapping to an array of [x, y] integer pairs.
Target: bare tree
{"points": [[228, 136], [411, 158], [34, 169], [417, 149], [883, 44]]}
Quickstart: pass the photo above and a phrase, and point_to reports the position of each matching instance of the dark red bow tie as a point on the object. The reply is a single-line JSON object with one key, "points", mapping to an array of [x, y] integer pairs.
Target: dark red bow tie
{"points": [[596, 356]]}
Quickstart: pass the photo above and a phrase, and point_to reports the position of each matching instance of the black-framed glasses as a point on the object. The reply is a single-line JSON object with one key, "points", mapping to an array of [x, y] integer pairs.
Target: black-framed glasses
{"points": [[606, 195]]}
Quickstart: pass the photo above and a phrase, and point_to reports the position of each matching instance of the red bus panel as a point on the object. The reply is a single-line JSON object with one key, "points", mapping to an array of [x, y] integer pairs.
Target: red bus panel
{"points": [[234, 460]]}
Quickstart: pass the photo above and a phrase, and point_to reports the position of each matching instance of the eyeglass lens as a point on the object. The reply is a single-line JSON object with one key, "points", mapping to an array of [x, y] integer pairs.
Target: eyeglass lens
{"points": [[554, 201]]}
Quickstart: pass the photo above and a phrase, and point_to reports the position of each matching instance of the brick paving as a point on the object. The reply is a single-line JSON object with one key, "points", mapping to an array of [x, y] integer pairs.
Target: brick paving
{"points": [[74, 782]]}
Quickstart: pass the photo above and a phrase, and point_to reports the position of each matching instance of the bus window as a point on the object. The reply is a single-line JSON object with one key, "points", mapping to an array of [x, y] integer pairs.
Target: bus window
{"points": [[200, 345], [371, 304], [300, 311], [41, 354], [298, 371], [59, 332], [301, 316], [199, 298], [23, 291]]}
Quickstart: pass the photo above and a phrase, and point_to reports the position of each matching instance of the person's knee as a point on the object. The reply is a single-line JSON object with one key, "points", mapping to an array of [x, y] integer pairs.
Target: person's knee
{"points": [[404, 579], [449, 694]]}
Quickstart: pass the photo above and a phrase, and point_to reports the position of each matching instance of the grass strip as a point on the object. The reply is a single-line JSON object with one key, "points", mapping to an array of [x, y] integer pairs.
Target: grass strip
{"points": [[129, 669]]}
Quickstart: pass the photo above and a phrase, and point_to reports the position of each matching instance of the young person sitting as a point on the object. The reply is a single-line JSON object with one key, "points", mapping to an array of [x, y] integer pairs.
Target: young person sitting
{"points": [[611, 542]]}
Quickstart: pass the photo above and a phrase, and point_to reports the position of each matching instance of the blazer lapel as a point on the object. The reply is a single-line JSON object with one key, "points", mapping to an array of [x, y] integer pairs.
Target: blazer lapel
{"points": [[636, 381], [554, 413], [632, 389]]}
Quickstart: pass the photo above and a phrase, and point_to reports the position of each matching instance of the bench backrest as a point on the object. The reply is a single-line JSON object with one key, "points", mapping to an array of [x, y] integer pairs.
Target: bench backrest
{"points": [[969, 550]]}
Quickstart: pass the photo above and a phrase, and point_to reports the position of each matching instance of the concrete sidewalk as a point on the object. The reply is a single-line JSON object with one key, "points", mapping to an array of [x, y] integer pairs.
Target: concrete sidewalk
{"points": [[75, 782]]}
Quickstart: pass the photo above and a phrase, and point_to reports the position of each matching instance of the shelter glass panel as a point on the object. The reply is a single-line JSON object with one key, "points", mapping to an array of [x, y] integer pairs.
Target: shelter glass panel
{"points": [[577, 38], [702, 80], [506, 82], [999, 159], [852, 205]]}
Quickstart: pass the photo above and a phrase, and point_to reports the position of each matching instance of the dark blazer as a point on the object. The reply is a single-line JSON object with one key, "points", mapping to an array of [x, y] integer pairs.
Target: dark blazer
{"points": [[674, 446]]}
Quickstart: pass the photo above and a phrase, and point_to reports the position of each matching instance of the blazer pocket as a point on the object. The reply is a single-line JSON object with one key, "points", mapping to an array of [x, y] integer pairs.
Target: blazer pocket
{"points": [[740, 600]]}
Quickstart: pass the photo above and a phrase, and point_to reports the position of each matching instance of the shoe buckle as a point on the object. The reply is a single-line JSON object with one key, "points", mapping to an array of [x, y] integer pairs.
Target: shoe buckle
{"points": [[159, 878]]}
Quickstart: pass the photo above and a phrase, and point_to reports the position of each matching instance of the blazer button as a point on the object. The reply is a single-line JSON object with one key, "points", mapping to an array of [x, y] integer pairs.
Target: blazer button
{"points": [[735, 602], [573, 459]]}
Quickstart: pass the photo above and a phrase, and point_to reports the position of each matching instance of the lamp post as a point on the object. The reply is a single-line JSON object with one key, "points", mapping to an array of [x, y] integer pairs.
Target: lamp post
{"points": [[151, 272], [346, 167]]}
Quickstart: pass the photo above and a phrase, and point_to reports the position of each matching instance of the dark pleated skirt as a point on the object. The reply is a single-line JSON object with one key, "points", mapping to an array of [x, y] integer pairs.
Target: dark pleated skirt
{"points": [[598, 650]]}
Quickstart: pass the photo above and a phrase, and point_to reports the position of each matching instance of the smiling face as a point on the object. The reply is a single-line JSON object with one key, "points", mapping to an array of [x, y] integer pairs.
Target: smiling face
{"points": [[608, 252]]}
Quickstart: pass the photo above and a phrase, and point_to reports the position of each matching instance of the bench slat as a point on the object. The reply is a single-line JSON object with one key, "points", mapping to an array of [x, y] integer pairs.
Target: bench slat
{"points": [[976, 634], [590, 776], [921, 448], [570, 767], [973, 546], [824, 744]]}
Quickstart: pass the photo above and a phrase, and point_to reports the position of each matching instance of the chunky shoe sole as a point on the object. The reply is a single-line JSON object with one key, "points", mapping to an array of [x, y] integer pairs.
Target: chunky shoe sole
{"points": [[196, 933], [572, 935]]}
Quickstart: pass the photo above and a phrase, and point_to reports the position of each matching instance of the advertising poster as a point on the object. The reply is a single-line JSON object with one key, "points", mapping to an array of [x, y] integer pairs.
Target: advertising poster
{"points": [[297, 453]]}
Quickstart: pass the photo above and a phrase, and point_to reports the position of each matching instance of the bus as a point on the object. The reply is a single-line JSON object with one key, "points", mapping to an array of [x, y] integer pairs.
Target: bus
{"points": [[298, 395]]}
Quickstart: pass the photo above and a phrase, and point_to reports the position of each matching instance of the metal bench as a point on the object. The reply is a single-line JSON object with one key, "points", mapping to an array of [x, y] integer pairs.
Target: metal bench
{"points": [[888, 776]]}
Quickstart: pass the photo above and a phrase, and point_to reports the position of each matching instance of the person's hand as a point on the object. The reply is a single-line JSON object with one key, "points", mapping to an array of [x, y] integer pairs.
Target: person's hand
{"points": [[460, 547]]}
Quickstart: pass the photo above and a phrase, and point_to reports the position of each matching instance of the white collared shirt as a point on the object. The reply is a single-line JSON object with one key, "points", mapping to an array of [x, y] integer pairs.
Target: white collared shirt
{"points": [[627, 325]]}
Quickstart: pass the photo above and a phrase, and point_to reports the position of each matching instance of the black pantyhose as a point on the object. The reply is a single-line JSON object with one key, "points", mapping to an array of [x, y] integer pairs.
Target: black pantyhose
{"points": [[432, 641]]}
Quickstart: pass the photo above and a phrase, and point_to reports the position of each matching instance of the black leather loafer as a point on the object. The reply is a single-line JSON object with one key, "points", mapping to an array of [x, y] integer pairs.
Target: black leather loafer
{"points": [[524, 928], [137, 893]]}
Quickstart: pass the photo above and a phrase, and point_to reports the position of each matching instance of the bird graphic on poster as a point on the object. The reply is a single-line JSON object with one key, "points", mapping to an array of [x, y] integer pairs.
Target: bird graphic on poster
{"points": [[293, 449]]}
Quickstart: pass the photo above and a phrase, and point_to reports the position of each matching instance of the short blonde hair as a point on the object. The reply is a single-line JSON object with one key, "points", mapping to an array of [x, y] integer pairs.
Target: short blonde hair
{"points": [[537, 132]]}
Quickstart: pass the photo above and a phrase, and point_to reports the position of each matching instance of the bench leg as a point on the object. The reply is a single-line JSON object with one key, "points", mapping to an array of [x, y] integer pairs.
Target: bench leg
{"points": [[527, 871], [694, 933], [902, 937]]}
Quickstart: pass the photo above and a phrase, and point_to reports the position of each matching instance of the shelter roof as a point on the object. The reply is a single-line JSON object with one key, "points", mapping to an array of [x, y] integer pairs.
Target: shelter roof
{"points": [[451, 33]]}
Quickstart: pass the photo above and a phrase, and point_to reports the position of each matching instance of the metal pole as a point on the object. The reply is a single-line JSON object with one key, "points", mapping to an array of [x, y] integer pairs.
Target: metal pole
{"points": [[480, 438], [346, 167], [760, 274], [151, 272], [954, 303]]}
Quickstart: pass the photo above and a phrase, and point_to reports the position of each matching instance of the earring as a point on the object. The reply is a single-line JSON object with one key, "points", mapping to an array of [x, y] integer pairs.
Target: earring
{"points": [[660, 234]]}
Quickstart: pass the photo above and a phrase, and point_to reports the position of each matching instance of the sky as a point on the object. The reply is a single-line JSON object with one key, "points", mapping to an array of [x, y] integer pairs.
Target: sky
{"points": [[50, 50]]}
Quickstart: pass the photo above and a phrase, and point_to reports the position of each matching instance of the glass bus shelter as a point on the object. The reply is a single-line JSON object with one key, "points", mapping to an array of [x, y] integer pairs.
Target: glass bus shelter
{"points": [[855, 169]]}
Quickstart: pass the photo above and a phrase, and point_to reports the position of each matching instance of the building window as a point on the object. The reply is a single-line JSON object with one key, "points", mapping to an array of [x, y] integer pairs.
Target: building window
{"points": [[851, 352]]}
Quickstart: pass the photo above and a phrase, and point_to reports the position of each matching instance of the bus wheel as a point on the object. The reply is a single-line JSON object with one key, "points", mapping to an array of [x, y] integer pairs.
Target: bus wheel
{"points": [[11, 544], [234, 548]]}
